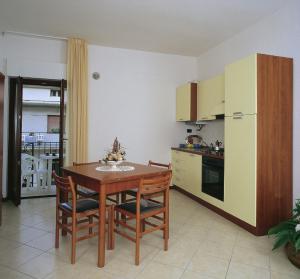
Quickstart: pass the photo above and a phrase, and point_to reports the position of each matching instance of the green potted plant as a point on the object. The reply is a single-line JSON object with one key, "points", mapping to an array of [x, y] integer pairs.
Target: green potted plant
{"points": [[287, 234]]}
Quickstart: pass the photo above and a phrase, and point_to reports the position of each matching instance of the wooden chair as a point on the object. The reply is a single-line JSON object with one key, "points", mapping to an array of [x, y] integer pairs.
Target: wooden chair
{"points": [[87, 193], [142, 210], [133, 192], [79, 210]]}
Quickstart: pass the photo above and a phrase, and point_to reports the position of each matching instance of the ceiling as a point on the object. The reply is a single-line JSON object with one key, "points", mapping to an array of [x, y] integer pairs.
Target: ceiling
{"points": [[184, 27]]}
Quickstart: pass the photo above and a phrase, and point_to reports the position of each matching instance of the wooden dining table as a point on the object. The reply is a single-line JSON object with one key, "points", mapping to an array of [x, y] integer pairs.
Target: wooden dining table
{"points": [[109, 182]]}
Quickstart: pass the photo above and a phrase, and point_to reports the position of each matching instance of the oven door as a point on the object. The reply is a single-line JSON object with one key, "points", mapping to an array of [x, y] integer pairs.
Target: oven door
{"points": [[213, 177]]}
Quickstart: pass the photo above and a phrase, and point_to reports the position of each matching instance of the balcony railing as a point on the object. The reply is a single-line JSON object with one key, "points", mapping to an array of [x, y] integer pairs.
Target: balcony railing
{"points": [[37, 144]]}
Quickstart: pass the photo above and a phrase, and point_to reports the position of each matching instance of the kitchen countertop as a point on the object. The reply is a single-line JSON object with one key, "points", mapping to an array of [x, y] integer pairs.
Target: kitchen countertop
{"points": [[212, 154]]}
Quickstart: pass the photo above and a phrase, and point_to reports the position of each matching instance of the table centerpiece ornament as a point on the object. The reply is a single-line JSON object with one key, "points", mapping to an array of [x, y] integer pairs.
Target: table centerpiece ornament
{"points": [[114, 157]]}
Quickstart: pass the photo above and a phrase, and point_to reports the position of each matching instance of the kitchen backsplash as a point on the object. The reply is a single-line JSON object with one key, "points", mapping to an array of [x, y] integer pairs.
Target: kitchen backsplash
{"points": [[212, 131]]}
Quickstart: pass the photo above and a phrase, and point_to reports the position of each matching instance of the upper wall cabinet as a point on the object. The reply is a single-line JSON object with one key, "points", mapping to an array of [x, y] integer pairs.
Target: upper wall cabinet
{"points": [[186, 102], [211, 96], [241, 86]]}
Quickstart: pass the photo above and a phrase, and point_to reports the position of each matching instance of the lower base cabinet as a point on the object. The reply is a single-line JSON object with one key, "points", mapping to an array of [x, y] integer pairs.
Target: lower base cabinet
{"points": [[187, 171]]}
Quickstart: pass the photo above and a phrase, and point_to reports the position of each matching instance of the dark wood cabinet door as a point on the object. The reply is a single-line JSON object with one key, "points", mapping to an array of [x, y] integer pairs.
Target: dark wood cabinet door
{"points": [[1, 138]]}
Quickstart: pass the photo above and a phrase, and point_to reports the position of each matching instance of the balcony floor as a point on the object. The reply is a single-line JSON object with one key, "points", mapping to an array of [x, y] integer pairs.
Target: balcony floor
{"points": [[37, 191]]}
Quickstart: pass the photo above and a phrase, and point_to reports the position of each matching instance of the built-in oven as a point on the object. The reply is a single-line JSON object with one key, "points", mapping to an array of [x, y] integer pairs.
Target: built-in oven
{"points": [[213, 177]]}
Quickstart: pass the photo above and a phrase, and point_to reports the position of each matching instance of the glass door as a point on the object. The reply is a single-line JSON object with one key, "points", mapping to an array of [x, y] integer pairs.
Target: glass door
{"points": [[39, 128]]}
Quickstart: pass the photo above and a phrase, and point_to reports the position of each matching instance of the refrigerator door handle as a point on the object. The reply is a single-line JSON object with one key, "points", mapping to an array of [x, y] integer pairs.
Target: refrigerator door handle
{"points": [[238, 113]]}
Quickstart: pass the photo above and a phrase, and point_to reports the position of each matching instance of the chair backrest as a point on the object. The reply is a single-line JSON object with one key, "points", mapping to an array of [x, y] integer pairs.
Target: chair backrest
{"points": [[64, 185], [159, 183], [154, 164]]}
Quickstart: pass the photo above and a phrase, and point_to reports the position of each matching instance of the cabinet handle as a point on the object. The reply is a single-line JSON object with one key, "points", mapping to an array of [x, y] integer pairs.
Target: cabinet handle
{"points": [[237, 117], [238, 113]]}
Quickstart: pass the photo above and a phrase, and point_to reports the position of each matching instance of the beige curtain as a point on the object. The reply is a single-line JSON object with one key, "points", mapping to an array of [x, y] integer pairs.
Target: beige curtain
{"points": [[77, 99]]}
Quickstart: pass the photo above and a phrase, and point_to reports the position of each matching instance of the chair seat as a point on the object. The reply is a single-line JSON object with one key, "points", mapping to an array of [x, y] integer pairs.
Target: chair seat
{"points": [[84, 192], [81, 205], [146, 206]]}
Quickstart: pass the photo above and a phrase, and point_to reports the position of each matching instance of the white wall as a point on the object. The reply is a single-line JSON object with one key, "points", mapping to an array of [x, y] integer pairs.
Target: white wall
{"points": [[34, 57], [278, 34], [134, 99]]}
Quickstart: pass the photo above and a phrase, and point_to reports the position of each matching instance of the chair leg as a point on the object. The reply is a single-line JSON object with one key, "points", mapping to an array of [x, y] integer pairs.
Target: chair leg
{"points": [[118, 202], [64, 221], [90, 222], [143, 226], [73, 253], [123, 200], [111, 228], [123, 197], [57, 229], [137, 242], [166, 232], [56, 235]]}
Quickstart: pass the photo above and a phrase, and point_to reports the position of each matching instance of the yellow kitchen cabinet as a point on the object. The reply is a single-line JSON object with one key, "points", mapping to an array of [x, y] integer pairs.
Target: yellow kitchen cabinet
{"points": [[219, 95], [240, 167], [241, 86], [178, 169], [187, 171], [194, 173], [186, 102], [211, 95]]}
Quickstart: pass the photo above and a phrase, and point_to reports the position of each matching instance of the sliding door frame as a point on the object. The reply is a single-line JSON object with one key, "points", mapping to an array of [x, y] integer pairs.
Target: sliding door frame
{"points": [[15, 129]]}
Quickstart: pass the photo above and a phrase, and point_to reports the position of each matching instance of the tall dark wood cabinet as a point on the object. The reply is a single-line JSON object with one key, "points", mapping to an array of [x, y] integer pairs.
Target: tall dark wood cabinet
{"points": [[1, 138]]}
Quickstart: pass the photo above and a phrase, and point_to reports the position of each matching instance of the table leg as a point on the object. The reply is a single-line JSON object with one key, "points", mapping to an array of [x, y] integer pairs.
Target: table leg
{"points": [[102, 217]]}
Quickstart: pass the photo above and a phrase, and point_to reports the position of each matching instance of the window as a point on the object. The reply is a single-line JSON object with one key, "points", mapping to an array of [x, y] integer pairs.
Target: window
{"points": [[53, 124], [54, 93]]}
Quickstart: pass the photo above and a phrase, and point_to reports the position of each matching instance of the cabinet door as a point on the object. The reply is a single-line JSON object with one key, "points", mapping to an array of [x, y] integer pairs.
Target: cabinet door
{"points": [[194, 173], [178, 169], [187, 171], [241, 86], [205, 100], [240, 167], [219, 95], [211, 95], [183, 102]]}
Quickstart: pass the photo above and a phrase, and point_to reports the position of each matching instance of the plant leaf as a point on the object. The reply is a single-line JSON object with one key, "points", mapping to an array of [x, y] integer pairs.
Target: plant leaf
{"points": [[282, 239], [287, 225]]}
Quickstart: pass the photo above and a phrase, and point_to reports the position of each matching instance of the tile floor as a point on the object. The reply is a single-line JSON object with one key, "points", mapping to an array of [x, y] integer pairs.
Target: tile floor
{"points": [[203, 245]]}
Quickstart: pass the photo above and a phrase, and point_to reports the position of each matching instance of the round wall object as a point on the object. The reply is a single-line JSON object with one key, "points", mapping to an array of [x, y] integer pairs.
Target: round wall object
{"points": [[96, 75]]}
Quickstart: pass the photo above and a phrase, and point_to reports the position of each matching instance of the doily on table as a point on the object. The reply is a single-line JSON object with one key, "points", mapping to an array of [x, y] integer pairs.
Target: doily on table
{"points": [[118, 168]]}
